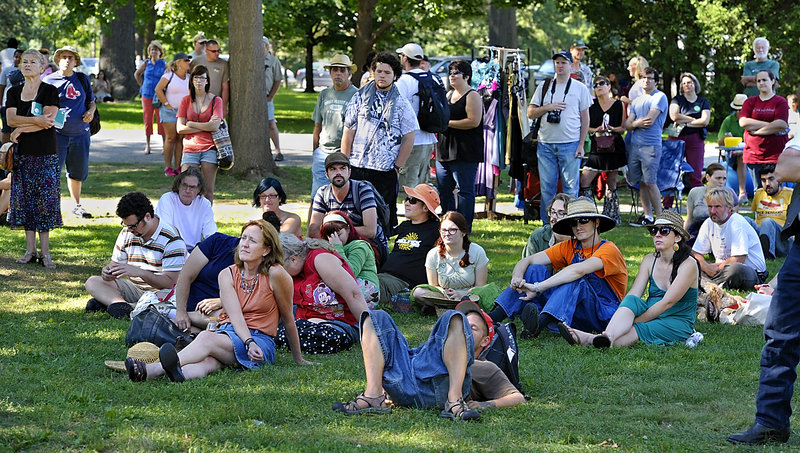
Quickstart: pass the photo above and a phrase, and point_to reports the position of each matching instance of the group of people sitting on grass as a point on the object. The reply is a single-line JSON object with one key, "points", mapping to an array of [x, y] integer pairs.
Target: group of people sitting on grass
{"points": [[270, 287]]}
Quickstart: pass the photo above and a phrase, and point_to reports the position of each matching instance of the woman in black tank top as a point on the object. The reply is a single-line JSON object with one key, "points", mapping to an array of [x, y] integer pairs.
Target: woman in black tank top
{"points": [[461, 146]]}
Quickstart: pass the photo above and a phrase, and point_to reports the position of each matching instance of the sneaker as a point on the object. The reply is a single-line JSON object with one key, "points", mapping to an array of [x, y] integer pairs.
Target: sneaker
{"points": [[81, 213], [642, 221], [120, 310], [530, 319], [94, 305]]}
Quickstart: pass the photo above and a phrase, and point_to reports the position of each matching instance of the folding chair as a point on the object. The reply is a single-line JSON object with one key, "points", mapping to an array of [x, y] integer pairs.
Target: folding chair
{"points": [[670, 176]]}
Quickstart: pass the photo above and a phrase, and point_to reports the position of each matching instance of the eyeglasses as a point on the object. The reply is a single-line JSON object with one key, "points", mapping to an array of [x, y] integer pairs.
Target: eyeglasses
{"points": [[199, 79], [581, 221], [412, 200], [132, 227], [268, 196], [600, 83], [212, 51], [456, 73], [185, 186], [554, 213], [449, 231], [664, 230]]}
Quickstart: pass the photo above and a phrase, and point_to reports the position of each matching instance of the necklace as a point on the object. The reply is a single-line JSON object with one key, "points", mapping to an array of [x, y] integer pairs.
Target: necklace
{"points": [[248, 284]]}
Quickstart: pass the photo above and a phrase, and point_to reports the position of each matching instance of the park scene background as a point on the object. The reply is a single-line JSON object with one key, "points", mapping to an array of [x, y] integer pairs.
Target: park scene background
{"points": [[57, 395]]}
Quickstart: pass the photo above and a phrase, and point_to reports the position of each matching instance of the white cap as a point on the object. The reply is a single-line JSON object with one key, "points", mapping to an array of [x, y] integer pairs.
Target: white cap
{"points": [[411, 50]]}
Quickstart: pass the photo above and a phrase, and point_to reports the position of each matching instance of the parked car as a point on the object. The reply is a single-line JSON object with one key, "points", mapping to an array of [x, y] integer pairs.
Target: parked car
{"points": [[545, 71], [89, 66], [322, 77]]}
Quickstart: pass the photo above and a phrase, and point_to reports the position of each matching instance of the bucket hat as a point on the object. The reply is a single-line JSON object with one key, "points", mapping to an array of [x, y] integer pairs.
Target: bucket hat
{"points": [[427, 194], [342, 61], [673, 220], [70, 49]]}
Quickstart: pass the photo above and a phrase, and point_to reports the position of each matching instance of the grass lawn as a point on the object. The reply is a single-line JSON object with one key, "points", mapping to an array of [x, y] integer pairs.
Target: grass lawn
{"points": [[57, 394], [293, 111]]}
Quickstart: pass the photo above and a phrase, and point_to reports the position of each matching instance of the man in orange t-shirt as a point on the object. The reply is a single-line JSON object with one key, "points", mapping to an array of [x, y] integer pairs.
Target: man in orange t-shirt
{"points": [[590, 280]]}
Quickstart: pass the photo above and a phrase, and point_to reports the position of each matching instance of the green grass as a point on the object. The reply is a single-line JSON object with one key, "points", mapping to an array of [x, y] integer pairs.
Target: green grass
{"points": [[57, 394], [293, 111]]}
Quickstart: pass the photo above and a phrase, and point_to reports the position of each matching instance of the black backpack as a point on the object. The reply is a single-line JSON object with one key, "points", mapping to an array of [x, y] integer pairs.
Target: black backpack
{"points": [[15, 78], [434, 110], [94, 125], [504, 352]]}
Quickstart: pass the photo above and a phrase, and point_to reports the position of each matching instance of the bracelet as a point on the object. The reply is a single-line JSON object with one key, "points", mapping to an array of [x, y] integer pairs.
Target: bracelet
{"points": [[536, 287], [248, 342]]}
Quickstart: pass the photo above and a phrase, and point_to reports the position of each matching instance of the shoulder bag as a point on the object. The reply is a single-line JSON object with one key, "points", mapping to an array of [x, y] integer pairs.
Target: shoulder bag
{"points": [[222, 141], [7, 156]]}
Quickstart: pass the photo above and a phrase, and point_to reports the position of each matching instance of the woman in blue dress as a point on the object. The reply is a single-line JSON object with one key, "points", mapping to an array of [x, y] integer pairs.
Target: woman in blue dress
{"points": [[668, 314]]}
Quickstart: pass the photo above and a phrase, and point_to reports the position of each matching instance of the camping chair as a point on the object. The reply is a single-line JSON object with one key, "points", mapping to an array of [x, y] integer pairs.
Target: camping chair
{"points": [[670, 176]]}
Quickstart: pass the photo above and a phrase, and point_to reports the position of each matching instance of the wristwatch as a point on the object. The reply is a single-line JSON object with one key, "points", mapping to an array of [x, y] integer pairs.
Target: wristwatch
{"points": [[400, 170]]}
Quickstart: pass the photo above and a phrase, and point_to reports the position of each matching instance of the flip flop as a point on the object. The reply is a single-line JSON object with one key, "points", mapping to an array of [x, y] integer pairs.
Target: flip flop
{"points": [[601, 342], [565, 334], [168, 356]]}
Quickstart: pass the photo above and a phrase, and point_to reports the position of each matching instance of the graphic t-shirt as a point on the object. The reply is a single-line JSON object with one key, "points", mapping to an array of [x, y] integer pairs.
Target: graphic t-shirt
{"points": [[411, 246], [764, 148], [329, 112], [773, 207], [72, 96]]}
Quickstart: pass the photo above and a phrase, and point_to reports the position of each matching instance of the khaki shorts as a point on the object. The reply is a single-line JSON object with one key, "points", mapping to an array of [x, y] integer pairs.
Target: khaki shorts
{"points": [[130, 291]]}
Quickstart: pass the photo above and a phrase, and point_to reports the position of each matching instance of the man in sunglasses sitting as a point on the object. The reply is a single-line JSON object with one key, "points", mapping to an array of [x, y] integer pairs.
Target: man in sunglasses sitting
{"points": [[590, 280], [148, 256]]}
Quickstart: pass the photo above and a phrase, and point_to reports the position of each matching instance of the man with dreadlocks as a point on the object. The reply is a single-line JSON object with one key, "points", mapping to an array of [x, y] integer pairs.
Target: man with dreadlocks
{"points": [[590, 280]]}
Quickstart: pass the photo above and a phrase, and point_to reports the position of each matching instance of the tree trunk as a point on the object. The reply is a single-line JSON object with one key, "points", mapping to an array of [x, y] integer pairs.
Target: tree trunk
{"points": [[502, 26], [117, 52], [149, 29], [309, 65], [364, 37], [248, 103]]}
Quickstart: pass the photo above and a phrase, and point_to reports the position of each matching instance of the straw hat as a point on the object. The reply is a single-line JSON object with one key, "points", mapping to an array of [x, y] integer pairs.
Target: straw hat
{"points": [[738, 101], [427, 194], [673, 220], [145, 351], [342, 61], [70, 49], [580, 208]]}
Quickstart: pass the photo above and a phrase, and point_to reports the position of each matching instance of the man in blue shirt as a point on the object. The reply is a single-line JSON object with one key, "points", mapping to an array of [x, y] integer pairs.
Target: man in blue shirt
{"points": [[646, 121], [77, 103]]}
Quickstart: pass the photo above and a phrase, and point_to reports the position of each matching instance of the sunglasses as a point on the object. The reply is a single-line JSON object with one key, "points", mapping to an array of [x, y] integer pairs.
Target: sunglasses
{"points": [[412, 200], [600, 83], [456, 73], [664, 230], [581, 221]]}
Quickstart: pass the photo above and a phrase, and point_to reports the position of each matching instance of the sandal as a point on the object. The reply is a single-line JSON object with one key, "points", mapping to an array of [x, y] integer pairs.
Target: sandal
{"points": [[458, 410], [28, 257], [47, 262], [377, 405], [137, 370], [168, 356], [571, 338]]}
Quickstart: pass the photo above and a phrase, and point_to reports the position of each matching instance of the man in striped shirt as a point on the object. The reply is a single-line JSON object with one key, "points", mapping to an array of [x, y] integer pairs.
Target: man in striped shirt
{"points": [[148, 256]]}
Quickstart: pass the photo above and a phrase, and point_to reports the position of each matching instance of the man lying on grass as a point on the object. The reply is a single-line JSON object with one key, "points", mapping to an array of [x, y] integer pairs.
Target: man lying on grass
{"points": [[441, 373]]}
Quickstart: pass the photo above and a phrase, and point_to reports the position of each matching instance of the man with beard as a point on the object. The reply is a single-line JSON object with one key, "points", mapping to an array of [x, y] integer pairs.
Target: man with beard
{"points": [[355, 198], [770, 204], [329, 116], [379, 128], [761, 63], [148, 251], [739, 258]]}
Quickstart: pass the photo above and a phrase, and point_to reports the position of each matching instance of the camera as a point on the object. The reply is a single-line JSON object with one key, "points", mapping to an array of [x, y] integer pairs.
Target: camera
{"points": [[554, 116]]}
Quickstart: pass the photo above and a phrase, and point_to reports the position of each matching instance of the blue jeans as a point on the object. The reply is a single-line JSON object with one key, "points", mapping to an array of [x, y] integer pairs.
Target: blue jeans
{"points": [[586, 304], [557, 159], [74, 152], [417, 377], [450, 175], [318, 177], [781, 352], [772, 231]]}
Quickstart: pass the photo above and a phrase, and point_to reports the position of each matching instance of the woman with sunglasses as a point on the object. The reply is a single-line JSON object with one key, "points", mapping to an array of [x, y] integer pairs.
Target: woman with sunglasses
{"points": [[269, 196], [606, 119], [200, 114], [691, 113], [456, 268], [171, 89], [461, 145], [668, 314], [590, 280], [358, 251]]}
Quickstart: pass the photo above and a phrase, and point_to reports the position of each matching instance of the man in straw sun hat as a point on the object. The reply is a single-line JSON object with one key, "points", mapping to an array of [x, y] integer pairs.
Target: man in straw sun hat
{"points": [[668, 314], [591, 277], [328, 117]]}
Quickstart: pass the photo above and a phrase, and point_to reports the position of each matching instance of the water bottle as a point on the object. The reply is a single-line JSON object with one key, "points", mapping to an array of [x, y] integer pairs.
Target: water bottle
{"points": [[694, 339]]}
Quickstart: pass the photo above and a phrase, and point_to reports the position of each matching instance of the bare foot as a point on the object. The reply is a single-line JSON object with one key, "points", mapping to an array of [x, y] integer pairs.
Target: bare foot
{"points": [[581, 337]]}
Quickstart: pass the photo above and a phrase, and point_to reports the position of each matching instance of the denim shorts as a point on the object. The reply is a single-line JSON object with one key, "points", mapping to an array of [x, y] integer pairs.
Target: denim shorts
{"points": [[270, 110], [74, 152], [643, 163], [264, 341], [209, 156], [418, 377], [168, 115]]}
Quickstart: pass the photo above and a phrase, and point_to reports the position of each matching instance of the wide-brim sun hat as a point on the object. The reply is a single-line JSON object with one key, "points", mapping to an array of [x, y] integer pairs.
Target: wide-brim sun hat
{"points": [[145, 351], [673, 220], [74, 51], [341, 61], [580, 208], [738, 101], [427, 194]]}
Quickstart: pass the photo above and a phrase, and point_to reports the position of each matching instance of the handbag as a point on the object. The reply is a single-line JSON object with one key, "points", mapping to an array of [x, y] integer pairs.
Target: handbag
{"points": [[7, 156], [94, 124], [156, 101], [605, 143], [152, 326], [222, 141]]}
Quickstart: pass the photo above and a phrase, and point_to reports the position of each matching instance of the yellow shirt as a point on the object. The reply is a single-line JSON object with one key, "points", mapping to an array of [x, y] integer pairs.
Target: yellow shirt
{"points": [[773, 207]]}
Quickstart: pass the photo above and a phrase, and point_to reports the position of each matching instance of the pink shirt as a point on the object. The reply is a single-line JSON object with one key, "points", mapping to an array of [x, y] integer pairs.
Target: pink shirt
{"points": [[201, 141]]}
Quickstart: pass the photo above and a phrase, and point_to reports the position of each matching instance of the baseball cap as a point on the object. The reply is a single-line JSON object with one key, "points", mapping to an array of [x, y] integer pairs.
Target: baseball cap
{"points": [[468, 307], [181, 56], [564, 54], [578, 44], [200, 38], [411, 50], [336, 158], [427, 194]]}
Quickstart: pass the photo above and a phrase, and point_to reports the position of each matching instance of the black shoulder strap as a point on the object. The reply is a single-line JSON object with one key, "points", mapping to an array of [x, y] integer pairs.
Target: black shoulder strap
{"points": [[86, 88]]}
